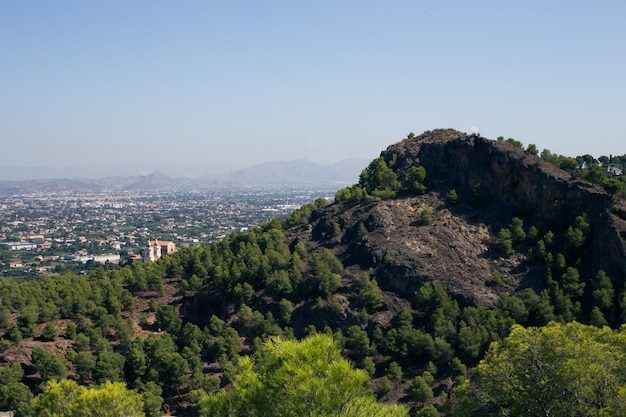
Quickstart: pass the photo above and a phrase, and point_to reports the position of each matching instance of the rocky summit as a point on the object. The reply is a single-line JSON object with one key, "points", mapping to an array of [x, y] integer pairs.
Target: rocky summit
{"points": [[495, 182]]}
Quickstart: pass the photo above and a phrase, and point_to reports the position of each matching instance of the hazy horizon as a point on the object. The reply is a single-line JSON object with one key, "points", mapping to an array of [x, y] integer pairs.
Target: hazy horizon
{"points": [[237, 84], [35, 172]]}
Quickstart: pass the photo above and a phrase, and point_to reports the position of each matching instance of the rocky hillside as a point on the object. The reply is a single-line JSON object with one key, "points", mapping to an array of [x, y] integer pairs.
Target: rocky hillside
{"points": [[458, 249]]}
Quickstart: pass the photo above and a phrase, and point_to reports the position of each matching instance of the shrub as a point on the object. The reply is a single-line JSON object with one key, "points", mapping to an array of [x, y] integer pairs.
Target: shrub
{"points": [[452, 197], [426, 216]]}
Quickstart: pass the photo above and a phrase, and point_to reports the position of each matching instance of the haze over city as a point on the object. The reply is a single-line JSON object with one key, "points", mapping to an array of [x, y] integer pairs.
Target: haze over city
{"points": [[239, 83]]}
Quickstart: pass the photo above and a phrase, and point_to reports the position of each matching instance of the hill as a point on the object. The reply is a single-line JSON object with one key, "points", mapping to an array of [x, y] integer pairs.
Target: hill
{"points": [[456, 248], [446, 241]]}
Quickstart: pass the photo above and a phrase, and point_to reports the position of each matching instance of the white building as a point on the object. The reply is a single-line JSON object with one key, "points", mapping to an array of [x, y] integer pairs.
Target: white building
{"points": [[613, 171], [20, 246], [152, 252]]}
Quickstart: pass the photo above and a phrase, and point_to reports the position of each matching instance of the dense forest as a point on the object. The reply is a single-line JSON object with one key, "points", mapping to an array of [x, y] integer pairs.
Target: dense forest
{"points": [[267, 323]]}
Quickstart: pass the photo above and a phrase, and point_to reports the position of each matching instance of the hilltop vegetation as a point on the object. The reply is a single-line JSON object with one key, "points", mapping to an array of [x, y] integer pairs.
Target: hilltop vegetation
{"points": [[396, 291]]}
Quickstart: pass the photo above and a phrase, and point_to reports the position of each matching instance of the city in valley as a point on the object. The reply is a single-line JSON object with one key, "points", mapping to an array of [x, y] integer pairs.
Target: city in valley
{"points": [[49, 233]]}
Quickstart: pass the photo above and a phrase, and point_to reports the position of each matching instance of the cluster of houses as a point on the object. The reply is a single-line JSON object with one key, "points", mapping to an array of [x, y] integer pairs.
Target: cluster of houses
{"points": [[152, 252]]}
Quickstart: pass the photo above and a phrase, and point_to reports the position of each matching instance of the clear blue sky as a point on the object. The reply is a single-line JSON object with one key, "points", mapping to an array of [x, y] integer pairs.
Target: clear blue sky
{"points": [[244, 82]]}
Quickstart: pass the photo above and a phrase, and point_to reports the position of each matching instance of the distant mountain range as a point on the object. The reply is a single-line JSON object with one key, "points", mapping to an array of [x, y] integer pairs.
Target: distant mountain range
{"points": [[16, 172], [298, 172], [277, 173]]}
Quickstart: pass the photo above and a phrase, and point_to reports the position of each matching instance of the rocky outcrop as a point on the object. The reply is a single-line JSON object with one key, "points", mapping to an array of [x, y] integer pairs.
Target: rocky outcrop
{"points": [[525, 183], [507, 174], [457, 249]]}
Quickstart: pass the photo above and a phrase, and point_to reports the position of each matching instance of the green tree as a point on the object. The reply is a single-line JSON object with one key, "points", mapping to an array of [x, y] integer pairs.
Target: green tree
{"points": [[286, 310], [109, 367], [325, 269], [84, 364], [594, 174], [14, 395], [49, 365], [452, 197], [394, 372], [596, 317], [515, 143], [70, 331], [505, 241], [457, 367], [167, 319], [428, 411], [603, 293], [419, 390], [5, 316], [370, 295], [614, 186], [567, 164], [431, 368], [379, 180], [513, 307], [152, 399], [517, 230], [65, 398], [357, 341], [426, 216], [26, 321], [384, 386], [279, 282], [571, 283], [368, 365], [172, 369], [574, 237], [49, 332], [548, 156], [417, 175], [290, 378], [556, 370]]}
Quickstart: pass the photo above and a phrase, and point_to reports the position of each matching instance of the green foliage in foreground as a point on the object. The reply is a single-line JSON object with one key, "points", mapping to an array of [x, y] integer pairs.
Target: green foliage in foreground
{"points": [[290, 378], [65, 398], [557, 370]]}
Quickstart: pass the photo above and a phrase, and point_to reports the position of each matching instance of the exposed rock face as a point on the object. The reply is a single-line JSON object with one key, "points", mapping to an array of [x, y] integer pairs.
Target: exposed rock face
{"points": [[456, 250], [507, 174], [525, 182]]}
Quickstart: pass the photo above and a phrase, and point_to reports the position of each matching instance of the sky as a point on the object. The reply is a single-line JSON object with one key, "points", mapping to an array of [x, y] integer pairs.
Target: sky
{"points": [[245, 82]]}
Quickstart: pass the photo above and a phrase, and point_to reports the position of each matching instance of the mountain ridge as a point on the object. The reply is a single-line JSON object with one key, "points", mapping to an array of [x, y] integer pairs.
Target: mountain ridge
{"points": [[273, 173]]}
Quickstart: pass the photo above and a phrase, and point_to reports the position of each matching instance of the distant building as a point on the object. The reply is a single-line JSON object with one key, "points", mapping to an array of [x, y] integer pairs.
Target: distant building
{"points": [[39, 238], [107, 257], [613, 171], [83, 258], [20, 246], [152, 252], [157, 248]]}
